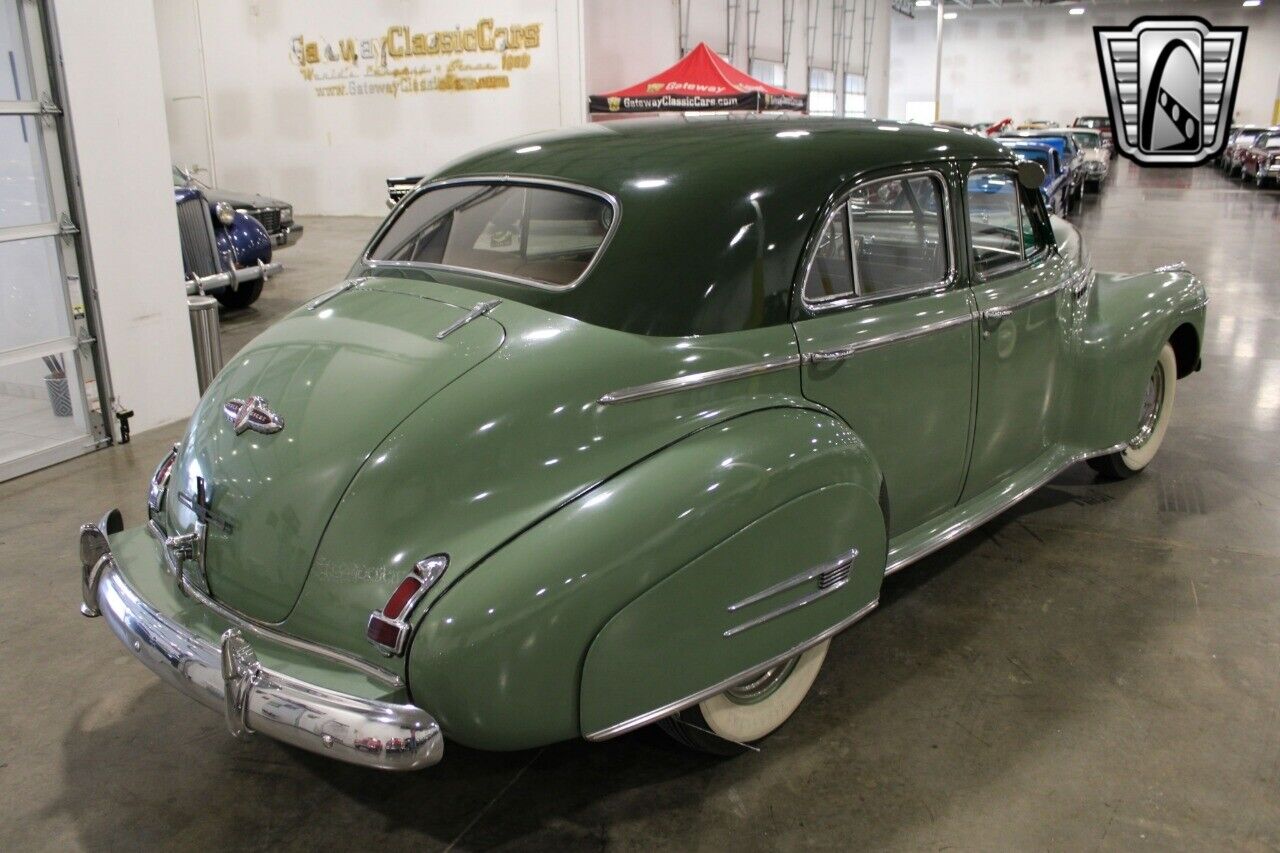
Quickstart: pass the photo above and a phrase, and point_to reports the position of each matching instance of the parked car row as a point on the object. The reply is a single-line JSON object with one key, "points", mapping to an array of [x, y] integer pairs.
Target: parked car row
{"points": [[1252, 153], [1074, 159], [227, 239]]}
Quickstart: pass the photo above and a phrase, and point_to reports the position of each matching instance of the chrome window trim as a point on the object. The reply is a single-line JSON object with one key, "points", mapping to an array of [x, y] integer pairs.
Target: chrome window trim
{"points": [[509, 180], [836, 302]]}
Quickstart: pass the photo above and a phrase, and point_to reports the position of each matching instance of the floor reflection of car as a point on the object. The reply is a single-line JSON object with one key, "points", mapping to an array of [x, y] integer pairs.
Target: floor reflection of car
{"points": [[275, 216], [225, 253]]}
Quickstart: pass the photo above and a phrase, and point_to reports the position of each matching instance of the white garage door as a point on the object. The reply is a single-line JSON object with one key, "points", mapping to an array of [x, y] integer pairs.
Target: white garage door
{"points": [[49, 408]]}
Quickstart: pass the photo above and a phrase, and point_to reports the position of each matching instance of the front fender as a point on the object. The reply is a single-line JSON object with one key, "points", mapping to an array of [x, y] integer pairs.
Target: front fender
{"points": [[498, 659], [245, 239], [1126, 320]]}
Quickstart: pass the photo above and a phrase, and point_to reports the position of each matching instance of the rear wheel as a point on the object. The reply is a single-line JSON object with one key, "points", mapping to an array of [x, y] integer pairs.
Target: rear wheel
{"points": [[242, 297], [1157, 406], [749, 710]]}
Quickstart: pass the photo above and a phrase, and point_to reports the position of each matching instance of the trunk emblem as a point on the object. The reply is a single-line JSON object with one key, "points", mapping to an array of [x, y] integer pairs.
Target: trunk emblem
{"points": [[253, 414]]}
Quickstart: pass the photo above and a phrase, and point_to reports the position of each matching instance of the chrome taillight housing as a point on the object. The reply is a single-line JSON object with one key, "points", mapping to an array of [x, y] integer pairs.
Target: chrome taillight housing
{"points": [[388, 628], [160, 481]]}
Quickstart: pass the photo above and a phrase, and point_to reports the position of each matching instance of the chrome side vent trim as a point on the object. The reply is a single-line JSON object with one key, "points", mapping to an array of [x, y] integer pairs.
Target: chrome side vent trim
{"points": [[830, 577], [835, 577]]}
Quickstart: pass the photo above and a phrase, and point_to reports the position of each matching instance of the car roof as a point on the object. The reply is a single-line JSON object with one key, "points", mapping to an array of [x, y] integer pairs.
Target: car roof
{"points": [[727, 204]]}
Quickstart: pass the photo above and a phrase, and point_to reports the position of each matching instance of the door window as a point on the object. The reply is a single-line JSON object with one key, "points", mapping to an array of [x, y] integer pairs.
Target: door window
{"points": [[889, 237], [995, 226]]}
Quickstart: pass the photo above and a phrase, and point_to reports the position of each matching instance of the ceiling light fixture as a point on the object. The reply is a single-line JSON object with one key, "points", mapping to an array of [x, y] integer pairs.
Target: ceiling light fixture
{"points": [[1076, 10], [923, 3], [950, 16], [1250, 3]]}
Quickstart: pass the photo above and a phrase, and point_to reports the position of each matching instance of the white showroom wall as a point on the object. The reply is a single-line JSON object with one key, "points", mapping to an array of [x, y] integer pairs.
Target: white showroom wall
{"points": [[324, 130], [116, 108], [1040, 62], [629, 41]]}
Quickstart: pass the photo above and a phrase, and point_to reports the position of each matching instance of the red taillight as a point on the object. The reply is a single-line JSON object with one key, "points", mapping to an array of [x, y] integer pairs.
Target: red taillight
{"points": [[387, 628], [384, 633], [401, 597]]}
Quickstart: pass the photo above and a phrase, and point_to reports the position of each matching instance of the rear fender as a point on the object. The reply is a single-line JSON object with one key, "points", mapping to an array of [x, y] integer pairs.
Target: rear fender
{"points": [[786, 580], [498, 658]]}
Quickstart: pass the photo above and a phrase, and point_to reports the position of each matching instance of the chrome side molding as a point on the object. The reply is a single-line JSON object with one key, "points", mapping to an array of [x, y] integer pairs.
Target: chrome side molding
{"points": [[900, 558], [477, 311], [670, 708], [999, 312], [1176, 266], [831, 576], [841, 353], [698, 380]]}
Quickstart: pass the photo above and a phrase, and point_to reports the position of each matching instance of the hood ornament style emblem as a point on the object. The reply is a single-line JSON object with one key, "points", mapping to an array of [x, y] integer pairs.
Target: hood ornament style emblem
{"points": [[253, 414], [1170, 84]]}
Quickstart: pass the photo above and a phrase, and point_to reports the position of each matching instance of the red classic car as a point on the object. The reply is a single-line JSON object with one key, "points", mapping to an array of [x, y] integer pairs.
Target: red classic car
{"points": [[1260, 161]]}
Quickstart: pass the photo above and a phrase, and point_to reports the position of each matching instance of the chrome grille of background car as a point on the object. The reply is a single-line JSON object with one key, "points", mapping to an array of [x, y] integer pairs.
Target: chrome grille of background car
{"points": [[198, 252], [268, 216]]}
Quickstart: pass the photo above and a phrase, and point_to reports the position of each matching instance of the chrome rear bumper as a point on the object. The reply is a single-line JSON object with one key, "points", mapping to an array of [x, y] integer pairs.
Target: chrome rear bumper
{"points": [[228, 677]]}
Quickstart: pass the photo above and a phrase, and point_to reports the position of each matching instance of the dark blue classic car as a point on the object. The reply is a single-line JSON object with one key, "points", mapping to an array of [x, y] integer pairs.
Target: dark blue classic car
{"points": [[225, 253], [1069, 151], [1056, 187]]}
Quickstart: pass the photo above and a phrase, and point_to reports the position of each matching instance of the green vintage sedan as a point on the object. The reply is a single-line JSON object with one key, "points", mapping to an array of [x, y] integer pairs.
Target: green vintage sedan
{"points": [[620, 425]]}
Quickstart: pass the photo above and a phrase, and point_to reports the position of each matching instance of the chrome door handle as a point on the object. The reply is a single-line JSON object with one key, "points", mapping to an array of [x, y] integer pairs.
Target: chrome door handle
{"points": [[997, 313]]}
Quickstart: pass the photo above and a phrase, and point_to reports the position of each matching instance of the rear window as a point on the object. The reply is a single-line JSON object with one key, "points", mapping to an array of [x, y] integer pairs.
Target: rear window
{"points": [[543, 235]]}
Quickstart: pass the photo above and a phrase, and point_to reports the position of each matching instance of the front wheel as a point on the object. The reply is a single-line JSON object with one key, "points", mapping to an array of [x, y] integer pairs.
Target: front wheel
{"points": [[750, 710], [1157, 406], [242, 297]]}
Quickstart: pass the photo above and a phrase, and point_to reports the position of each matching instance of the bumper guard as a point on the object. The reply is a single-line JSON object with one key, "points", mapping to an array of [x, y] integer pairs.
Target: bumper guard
{"points": [[229, 678]]}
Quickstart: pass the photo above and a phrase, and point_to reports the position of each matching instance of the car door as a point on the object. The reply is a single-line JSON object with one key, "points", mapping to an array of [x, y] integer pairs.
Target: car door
{"points": [[887, 335], [1017, 282]]}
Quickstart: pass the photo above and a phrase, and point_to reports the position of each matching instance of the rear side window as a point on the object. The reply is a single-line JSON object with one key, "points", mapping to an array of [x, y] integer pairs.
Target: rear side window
{"points": [[895, 242], [544, 235]]}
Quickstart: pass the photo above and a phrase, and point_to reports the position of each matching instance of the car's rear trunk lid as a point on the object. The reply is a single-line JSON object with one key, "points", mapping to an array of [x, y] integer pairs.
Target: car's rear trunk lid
{"points": [[340, 375]]}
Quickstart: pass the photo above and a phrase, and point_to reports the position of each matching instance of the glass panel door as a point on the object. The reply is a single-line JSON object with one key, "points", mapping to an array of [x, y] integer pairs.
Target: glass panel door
{"points": [[49, 407]]}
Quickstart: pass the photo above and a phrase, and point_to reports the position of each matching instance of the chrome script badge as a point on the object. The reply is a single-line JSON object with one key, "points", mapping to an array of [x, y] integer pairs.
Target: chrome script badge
{"points": [[1171, 86]]}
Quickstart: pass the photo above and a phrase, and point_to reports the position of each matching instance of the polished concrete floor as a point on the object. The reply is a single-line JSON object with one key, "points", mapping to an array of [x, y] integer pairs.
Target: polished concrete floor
{"points": [[1098, 668]]}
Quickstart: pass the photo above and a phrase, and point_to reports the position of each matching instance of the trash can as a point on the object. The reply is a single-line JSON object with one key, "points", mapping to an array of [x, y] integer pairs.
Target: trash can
{"points": [[206, 335]]}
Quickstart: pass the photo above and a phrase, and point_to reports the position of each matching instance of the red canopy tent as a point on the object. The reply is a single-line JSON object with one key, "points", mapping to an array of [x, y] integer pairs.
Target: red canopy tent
{"points": [[700, 81]]}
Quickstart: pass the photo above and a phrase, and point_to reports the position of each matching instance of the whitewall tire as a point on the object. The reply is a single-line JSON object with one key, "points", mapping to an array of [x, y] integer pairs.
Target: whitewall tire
{"points": [[750, 710], [1153, 421]]}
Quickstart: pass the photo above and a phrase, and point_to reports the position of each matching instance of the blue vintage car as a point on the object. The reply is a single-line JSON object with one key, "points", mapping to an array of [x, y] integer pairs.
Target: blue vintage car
{"points": [[1056, 187], [225, 253], [1071, 154]]}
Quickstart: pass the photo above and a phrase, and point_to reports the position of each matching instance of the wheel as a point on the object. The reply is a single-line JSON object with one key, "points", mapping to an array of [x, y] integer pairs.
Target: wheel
{"points": [[1157, 406], [749, 711], [242, 297]]}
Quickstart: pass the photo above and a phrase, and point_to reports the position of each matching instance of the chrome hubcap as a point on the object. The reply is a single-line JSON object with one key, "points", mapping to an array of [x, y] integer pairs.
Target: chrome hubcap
{"points": [[758, 687], [1152, 404]]}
